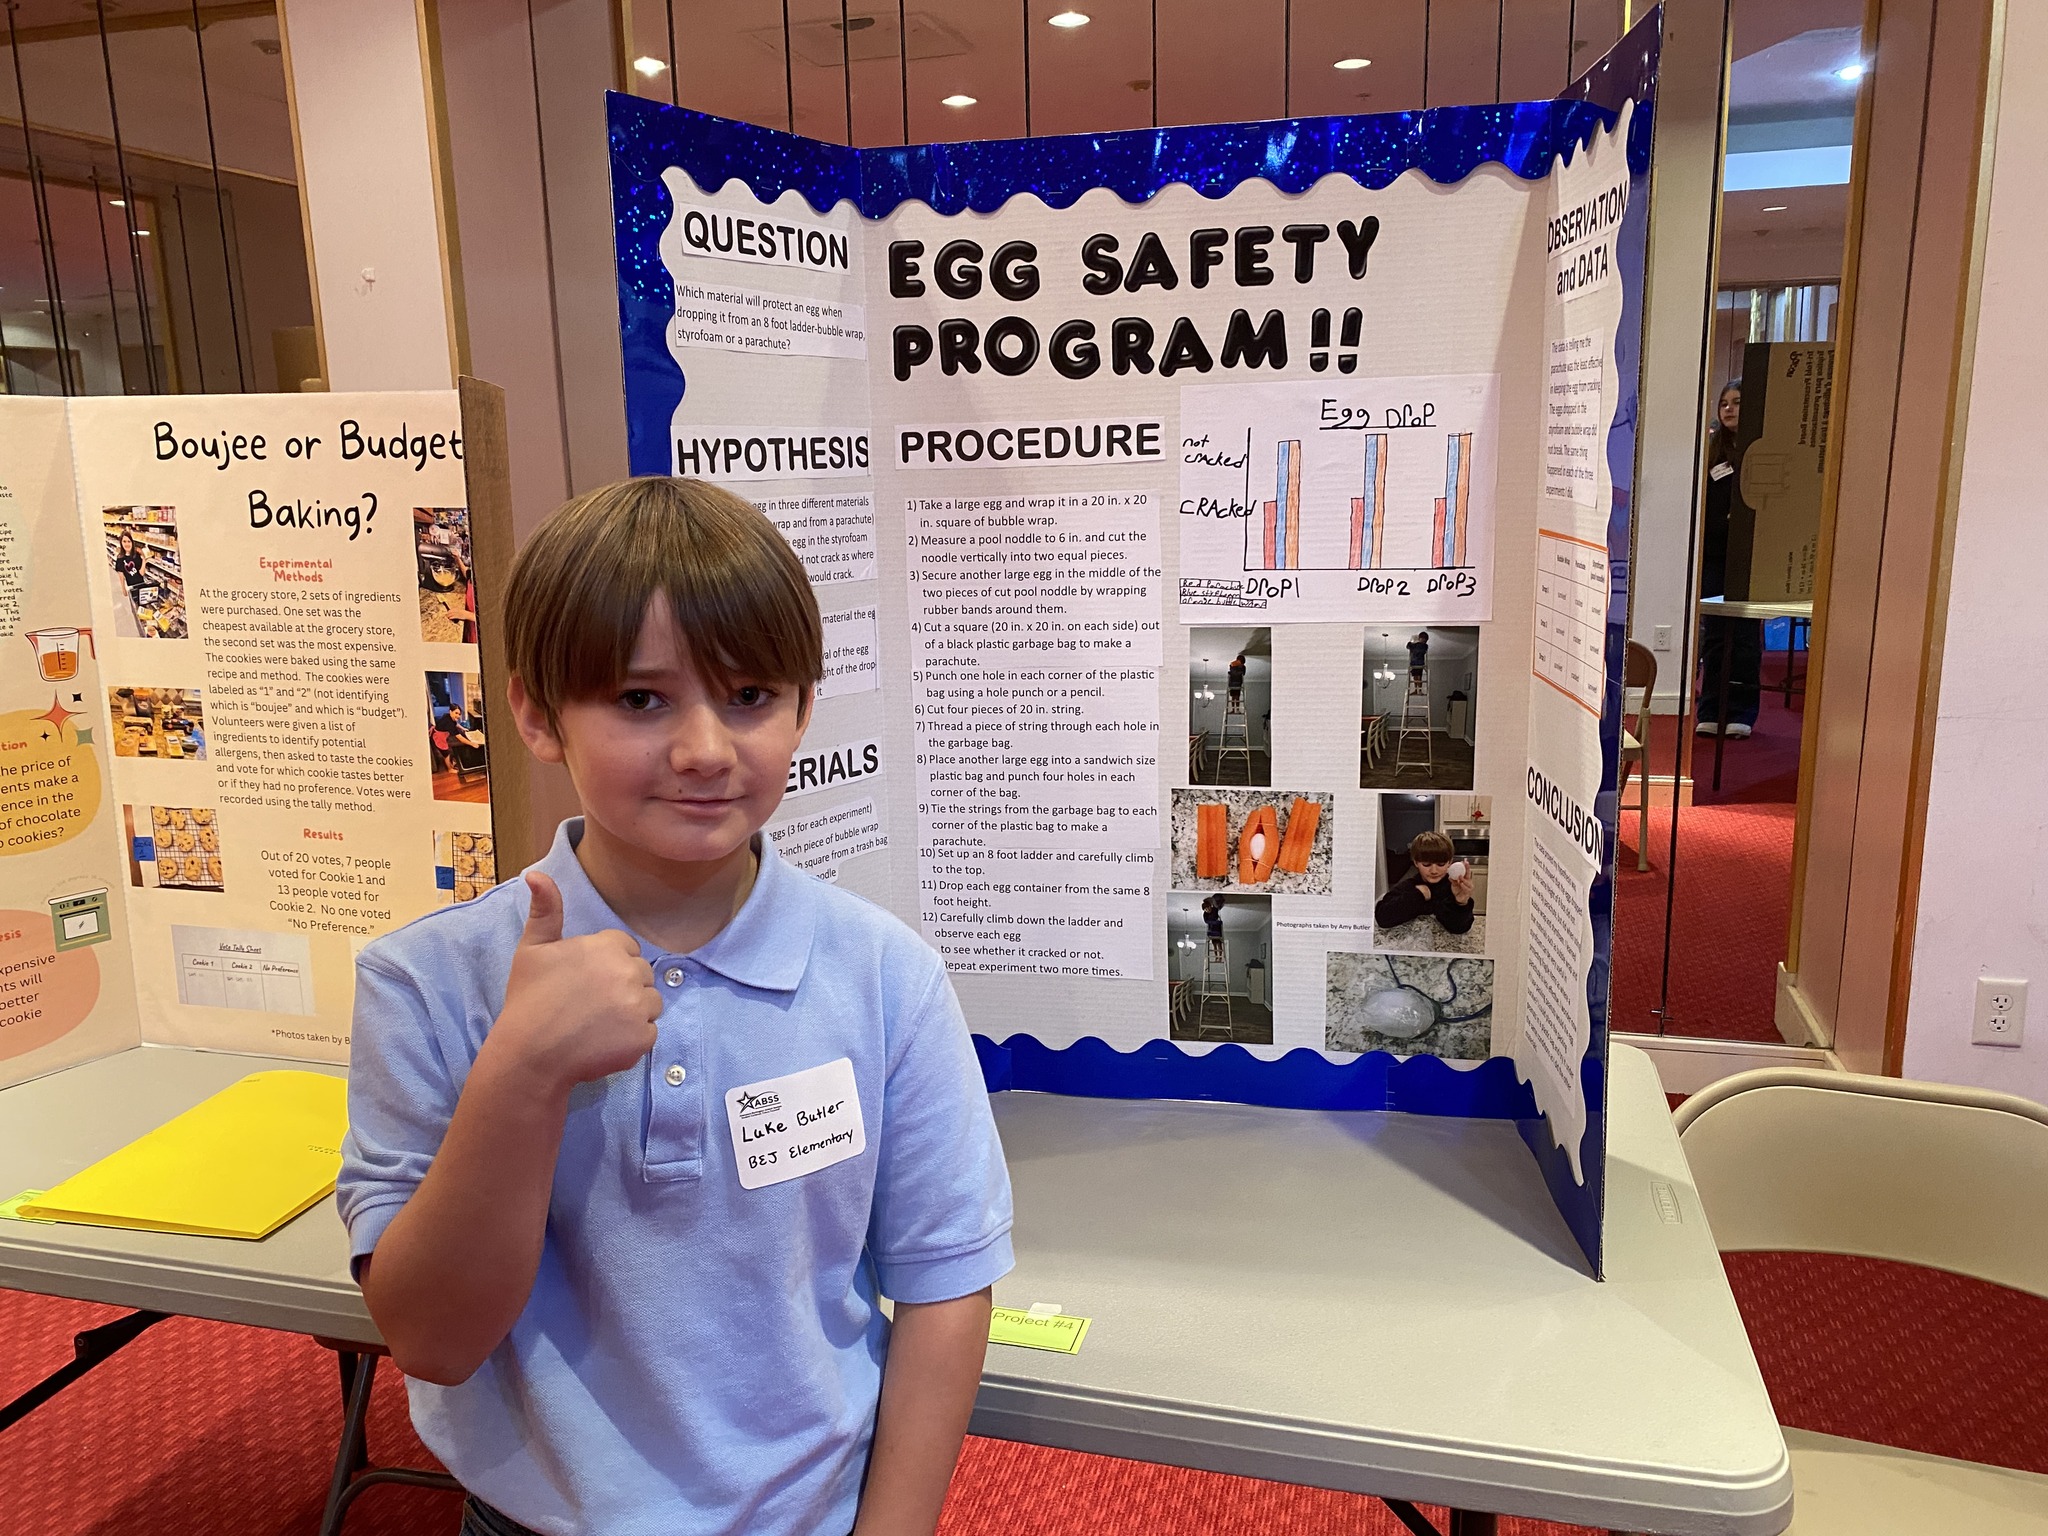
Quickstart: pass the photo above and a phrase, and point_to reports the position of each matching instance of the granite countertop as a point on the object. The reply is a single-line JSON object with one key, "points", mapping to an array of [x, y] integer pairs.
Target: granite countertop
{"points": [[1459, 991], [1426, 936]]}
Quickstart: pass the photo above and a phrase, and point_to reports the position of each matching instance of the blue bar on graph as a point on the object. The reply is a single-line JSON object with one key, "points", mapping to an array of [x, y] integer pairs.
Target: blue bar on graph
{"points": [[1445, 554], [1283, 524]]}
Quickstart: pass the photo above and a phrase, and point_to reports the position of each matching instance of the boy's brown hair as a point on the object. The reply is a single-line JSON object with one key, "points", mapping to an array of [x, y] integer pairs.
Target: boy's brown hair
{"points": [[580, 588], [1431, 848]]}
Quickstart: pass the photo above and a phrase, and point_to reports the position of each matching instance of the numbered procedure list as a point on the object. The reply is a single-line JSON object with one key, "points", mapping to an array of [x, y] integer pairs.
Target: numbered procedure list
{"points": [[1035, 638]]}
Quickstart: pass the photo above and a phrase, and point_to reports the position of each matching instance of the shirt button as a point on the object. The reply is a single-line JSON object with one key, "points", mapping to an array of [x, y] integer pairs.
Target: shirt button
{"points": [[675, 1076], [673, 976]]}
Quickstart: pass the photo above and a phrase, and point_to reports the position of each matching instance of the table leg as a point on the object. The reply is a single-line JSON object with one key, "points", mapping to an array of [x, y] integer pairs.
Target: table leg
{"points": [[1721, 734], [1413, 1518], [92, 1347], [353, 1473]]}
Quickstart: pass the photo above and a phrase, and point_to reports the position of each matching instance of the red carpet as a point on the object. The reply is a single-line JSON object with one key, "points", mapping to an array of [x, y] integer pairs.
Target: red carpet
{"points": [[1734, 897], [1734, 883], [202, 1429], [1909, 1357], [1760, 767]]}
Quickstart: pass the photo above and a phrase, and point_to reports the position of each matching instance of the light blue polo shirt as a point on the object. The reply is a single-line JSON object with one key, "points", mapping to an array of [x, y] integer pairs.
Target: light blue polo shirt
{"points": [[696, 1356]]}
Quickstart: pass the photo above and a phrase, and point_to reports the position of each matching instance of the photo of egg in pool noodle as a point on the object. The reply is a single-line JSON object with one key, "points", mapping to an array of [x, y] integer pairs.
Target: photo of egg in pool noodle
{"points": [[1410, 1005], [1260, 841]]}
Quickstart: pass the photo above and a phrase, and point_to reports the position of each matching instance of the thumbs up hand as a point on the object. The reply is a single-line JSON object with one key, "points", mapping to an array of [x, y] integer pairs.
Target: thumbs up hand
{"points": [[575, 1009]]}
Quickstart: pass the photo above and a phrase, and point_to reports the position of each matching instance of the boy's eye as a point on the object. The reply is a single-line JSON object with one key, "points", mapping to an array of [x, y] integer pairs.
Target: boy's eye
{"points": [[751, 696], [639, 699]]}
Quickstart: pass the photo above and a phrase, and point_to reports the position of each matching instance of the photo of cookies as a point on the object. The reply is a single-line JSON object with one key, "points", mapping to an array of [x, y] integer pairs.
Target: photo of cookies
{"points": [[173, 847], [465, 865], [168, 724]]}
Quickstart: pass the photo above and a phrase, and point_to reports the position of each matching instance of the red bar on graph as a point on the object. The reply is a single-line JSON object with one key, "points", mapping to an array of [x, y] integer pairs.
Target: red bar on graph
{"points": [[1272, 518], [1357, 530], [1436, 536]]}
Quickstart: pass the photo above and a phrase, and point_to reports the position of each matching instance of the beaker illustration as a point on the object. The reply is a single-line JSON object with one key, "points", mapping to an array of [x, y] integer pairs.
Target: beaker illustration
{"points": [[57, 652]]}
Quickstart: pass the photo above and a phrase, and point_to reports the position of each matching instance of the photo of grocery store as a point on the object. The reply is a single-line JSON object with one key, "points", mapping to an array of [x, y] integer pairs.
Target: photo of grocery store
{"points": [[149, 586]]}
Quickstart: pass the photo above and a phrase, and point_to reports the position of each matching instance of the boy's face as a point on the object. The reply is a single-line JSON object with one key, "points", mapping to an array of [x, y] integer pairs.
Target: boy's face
{"points": [[666, 766], [1432, 872]]}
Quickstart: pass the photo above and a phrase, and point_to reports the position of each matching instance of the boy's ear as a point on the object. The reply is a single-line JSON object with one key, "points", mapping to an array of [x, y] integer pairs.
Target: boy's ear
{"points": [[535, 729]]}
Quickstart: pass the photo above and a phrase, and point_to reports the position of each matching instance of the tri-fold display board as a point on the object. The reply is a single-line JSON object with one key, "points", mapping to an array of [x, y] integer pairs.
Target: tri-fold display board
{"points": [[1222, 537], [243, 717]]}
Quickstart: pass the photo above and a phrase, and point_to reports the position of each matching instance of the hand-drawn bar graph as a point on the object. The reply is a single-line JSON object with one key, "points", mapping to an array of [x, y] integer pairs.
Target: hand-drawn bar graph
{"points": [[1369, 512], [1283, 512], [1320, 501], [1280, 547]]}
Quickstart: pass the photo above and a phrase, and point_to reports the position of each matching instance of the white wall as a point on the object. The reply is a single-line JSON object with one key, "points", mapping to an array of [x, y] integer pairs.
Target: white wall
{"points": [[359, 86], [1984, 877]]}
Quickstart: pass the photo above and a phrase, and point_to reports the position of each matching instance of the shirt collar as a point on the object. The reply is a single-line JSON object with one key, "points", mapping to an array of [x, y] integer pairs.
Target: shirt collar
{"points": [[766, 945]]}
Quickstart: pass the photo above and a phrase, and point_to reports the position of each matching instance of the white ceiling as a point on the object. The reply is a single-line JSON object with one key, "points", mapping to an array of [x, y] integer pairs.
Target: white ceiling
{"points": [[1216, 60], [1241, 914]]}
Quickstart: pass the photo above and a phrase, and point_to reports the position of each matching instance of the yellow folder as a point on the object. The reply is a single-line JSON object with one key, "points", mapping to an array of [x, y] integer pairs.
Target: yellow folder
{"points": [[241, 1164]]}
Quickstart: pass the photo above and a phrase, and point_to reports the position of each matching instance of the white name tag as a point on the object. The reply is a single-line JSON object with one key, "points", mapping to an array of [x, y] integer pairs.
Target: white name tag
{"points": [[1721, 471], [789, 1126]]}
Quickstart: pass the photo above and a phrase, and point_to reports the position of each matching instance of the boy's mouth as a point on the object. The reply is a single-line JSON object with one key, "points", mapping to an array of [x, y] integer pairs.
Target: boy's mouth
{"points": [[702, 805]]}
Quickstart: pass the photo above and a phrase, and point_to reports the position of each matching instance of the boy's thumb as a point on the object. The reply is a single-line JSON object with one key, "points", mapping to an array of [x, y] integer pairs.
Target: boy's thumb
{"points": [[544, 915]]}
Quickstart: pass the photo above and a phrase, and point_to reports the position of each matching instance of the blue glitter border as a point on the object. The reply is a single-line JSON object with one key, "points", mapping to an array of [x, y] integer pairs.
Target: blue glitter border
{"points": [[1627, 72]]}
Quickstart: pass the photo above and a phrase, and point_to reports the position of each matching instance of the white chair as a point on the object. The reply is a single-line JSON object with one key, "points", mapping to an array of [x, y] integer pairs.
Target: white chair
{"points": [[1804, 1160], [1638, 687]]}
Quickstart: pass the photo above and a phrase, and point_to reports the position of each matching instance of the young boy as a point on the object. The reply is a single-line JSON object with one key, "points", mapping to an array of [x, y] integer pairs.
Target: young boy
{"points": [[1429, 889], [637, 1144], [1418, 659]]}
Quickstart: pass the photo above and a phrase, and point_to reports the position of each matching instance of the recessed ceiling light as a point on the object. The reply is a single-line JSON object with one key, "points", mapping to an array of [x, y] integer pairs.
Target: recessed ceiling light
{"points": [[1776, 208], [1854, 71], [1354, 63], [142, 232], [650, 66], [957, 99], [117, 202], [1068, 19]]}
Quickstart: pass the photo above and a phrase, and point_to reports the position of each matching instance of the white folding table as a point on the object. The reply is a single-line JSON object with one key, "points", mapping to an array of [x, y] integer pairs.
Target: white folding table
{"points": [[1383, 1303]]}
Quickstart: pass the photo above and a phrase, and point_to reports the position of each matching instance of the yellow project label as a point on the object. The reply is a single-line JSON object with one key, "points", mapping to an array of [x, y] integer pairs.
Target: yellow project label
{"points": [[1057, 1332]]}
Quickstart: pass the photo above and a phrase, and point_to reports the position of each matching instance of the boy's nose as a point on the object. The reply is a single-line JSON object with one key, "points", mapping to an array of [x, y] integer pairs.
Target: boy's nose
{"points": [[701, 743]]}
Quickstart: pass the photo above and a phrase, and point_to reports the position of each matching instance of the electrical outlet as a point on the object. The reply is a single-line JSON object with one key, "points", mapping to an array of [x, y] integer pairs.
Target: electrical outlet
{"points": [[2001, 1017], [1660, 638]]}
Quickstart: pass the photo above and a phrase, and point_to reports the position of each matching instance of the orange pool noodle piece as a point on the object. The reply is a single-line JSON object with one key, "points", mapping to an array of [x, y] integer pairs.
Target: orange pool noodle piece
{"points": [[1212, 842], [1301, 836], [1255, 871]]}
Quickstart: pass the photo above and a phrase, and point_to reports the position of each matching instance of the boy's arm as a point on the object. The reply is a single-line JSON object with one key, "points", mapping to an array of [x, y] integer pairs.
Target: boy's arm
{"points": [[1401, 904], [936, 1350], [1456, 916], [452, 1272]]}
